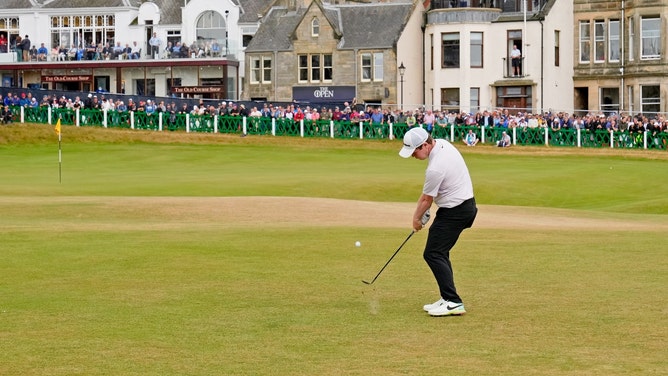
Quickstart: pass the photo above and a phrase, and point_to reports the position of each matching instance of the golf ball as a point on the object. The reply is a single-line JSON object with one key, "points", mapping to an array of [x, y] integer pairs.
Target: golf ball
{"points": [[358, 244]]}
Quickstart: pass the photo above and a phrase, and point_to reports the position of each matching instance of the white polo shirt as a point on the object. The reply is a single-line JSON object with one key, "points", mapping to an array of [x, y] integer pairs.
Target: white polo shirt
{"points": [[447, 178]]}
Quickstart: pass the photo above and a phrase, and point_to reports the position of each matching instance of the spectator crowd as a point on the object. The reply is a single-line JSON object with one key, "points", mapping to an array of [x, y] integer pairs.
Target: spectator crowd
{"points": [[353, 113]]}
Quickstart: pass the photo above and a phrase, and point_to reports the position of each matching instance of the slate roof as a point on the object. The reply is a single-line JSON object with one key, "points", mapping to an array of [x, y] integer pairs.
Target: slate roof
{"points": [[373, 25], [251, 8], [170, 11], [376, 25], [16, 4], [275, 30]]}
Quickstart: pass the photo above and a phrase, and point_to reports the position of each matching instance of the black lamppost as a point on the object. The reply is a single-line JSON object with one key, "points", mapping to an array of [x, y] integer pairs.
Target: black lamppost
{"points": [[227, 27], [402, 70]]}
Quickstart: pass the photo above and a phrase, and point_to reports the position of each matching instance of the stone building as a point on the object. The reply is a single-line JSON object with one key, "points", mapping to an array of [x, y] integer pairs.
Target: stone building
{"points": [[312, 51], [469, 55], [620, 56]]}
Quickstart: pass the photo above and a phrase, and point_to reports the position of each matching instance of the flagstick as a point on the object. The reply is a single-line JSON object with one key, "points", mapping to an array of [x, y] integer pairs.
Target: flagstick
{"points": [[60, 161]]}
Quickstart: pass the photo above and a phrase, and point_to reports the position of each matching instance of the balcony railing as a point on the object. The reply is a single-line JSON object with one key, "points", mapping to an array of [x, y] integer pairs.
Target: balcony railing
{"points": [[506, 6], [510, 72]]}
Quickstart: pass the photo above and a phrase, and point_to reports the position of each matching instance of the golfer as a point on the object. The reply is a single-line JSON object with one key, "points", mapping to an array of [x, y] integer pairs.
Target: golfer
{"points": [[448, 184]]}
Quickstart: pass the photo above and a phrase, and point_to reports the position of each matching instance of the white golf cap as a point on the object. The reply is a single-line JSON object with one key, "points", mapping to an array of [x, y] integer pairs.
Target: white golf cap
{"points": [[412, 140]]}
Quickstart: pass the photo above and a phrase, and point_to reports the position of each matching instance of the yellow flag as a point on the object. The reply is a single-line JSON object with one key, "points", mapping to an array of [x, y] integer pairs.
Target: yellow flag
{"points": [[57, 128]]}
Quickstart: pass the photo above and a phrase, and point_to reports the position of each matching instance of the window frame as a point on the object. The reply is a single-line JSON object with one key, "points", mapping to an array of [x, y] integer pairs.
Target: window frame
{"points": [[614, 41], [632, 37], [584, 42], [474, 99], [451, 50], [306, 69], [255, 70], [266, 70], [315, 27], [378, 66], [600, 45], [477, 45], [650, 101], [372, 66], [557, 43], [643, 38]]}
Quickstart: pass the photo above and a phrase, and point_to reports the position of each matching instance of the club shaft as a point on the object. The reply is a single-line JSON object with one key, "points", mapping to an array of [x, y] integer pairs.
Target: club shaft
{"points": [[388, 261]]}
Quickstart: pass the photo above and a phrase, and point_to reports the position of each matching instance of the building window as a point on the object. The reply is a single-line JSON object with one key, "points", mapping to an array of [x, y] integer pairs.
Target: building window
{"points": [[450, 50], [266, 70], [173, 37], [599, 41], [650, 99], [255, 70], [557, 37], [585, 42], [650, 38], [476, 49], [372, 66], [431, 51], [328, 68], [450, 99], [475, 99], [609, 98], [378, 66], [315, 27], [366, 67], [260, 70], [629, 100], [613, 37], [173, 82], [314, 68], [67, 31], [9, 28], [145, 87], [211, 28], [632, 38]]}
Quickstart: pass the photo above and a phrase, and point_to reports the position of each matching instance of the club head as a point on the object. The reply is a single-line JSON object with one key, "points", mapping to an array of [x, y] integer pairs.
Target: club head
{"points": [[367, 282]]}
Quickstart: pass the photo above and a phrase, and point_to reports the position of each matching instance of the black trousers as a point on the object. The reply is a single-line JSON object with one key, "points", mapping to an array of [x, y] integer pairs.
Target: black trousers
{"points": [[443, 234]]}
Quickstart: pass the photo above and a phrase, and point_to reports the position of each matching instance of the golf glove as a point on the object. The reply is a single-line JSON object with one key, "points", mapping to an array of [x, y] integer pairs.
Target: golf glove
{"points": [[425, 217]]}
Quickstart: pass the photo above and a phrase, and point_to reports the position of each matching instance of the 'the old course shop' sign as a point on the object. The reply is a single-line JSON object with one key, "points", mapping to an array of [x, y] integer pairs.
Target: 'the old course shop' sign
{"points": [[75, 78], [197, 89]]}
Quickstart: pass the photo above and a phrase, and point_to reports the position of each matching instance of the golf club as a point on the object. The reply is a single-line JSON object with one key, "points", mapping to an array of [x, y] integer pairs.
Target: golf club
{"points": [[388, 261], [424, 220]]}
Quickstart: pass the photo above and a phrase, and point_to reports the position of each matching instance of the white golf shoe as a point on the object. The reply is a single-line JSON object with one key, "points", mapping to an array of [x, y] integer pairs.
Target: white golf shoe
{"points": [[434, 305], [448, 309]]}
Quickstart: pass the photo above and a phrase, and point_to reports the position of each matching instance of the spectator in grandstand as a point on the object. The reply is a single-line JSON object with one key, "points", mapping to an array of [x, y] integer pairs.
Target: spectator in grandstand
{"points": [[486, 119], [3, 43], [336, 114], [18, 47], [117, 51], [155, 43], [411, 121], [176, 50], [6, 115], [325, 114], [376, 116], [429, 120], [107, 52], [57, 54], [505, 141], [471, 139], [135, 53], [42, 53], [25, 46]]}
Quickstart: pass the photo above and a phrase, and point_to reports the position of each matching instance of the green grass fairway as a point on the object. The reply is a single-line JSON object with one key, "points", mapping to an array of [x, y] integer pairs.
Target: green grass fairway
{"points": [[184, 254]]}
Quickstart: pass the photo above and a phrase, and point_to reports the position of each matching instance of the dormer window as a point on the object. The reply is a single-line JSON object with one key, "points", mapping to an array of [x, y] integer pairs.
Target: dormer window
{"points": [[315, 27]]}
